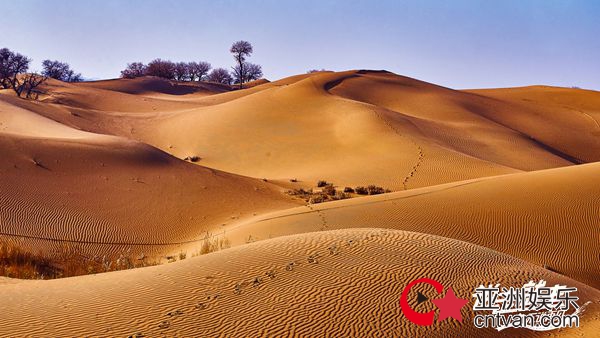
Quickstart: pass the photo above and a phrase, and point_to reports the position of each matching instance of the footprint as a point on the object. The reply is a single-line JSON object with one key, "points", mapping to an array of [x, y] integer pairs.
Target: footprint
{"points": [[175, 313], [271, 274], [313, 259], [334, 250]]}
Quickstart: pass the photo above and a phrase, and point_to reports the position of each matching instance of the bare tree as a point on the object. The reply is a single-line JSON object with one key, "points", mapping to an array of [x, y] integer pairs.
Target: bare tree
{"points": [[249, 72], [181, 71], [198, 70], [161, 68], [27, 83], [254, 72], [220, 75], [11, 65], [60, 71], [240, 50], [133, 70]]}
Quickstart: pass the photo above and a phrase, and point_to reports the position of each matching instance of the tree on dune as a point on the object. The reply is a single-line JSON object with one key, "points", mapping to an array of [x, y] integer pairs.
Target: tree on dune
{"points": [[161, 68], [13, 74], [249, 72], [27, 84], [60, 71], [181, 71], [11, 65], [133, 70], [198, 70], [240, 50], [220, 75]]}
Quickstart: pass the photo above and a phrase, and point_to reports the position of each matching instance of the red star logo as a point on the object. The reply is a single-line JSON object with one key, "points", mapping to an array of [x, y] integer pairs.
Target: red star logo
{"points": [[450, 306]]}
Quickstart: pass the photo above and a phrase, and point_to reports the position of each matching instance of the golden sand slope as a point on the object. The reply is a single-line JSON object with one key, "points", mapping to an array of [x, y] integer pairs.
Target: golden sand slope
{"points": [[547, 217], [154, 86], [104, 194], [353, 292], [565, 119], [352, 128]]}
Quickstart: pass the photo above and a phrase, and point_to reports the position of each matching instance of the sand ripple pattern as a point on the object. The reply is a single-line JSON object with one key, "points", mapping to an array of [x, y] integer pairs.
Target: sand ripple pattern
{"points": [[326, 284]]}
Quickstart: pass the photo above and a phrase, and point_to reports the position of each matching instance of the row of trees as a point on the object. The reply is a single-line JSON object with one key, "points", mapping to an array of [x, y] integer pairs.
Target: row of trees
{"points": [[242, 72], [14, 73], [180, 71]]}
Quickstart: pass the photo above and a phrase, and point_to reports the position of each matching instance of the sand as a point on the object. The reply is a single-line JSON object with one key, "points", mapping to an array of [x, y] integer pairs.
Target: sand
{"points": [[352, 293], [495, 185]]}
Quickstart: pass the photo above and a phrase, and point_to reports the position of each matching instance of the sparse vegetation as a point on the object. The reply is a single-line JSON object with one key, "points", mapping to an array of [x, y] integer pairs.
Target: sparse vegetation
{"points": [[370, 190], [329, 189], [375, 190], [361, 190], [212, 244], [192, 158], [328, 192], [64, 261], [16, 263]]}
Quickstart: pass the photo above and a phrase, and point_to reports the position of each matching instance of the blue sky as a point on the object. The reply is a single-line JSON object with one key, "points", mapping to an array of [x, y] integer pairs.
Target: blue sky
{"points": [[459, 44]]}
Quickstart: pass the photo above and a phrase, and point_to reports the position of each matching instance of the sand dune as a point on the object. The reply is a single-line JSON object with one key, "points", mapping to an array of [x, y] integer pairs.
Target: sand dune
{"points": [[149, 86], [352, 128], [353, 292], [546, 217], [487, 190], [569, 116], [105, 194]]}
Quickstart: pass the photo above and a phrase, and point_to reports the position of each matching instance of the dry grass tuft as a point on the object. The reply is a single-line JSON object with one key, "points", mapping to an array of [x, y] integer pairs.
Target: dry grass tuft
{"points": [[66, 261]]}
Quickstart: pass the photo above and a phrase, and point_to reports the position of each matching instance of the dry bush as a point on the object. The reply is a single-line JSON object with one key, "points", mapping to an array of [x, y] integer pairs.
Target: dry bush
{"points": [[64, 261], [349, 190], [322, 183], [329, 190], [376, 190], [16, 263], [327, 194], [361, 190], [212, 244]]}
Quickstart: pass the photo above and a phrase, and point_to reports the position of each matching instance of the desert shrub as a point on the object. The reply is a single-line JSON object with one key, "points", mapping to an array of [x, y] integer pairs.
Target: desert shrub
{"points": [[212, 244], [361, 190], [375, 190], [16, 263], [341, 195], [321, 184], [182, 255], [348, 190], [192, 158], [293, 180], [64, 261], [329, 190], [299, 192], [317, 198]]}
